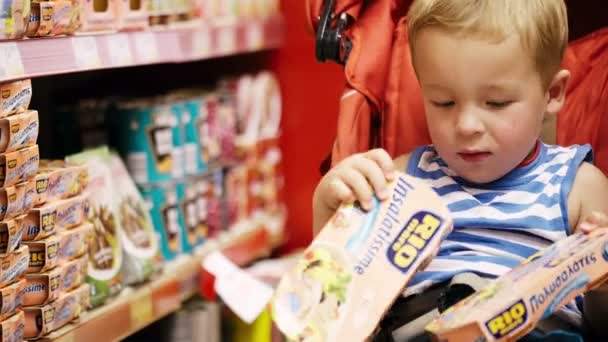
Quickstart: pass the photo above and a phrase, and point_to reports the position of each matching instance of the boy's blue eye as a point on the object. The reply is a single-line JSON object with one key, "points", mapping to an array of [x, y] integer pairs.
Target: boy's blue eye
{"points": [[498, 104], [443, 104]]}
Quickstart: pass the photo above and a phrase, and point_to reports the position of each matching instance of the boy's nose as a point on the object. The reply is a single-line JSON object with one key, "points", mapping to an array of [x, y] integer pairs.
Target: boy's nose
{"points": [[468, 123]]}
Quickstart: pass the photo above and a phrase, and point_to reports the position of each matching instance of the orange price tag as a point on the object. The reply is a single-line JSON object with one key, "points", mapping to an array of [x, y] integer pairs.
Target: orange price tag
{"points": [[142, 310]]}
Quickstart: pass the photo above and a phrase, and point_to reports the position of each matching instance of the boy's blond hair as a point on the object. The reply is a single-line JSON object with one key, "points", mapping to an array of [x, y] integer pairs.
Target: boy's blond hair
{"points": [[541, 24]]}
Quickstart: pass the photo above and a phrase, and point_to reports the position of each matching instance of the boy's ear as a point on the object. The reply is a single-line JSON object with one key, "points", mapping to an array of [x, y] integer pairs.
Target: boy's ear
{"points": [[557, 92]]}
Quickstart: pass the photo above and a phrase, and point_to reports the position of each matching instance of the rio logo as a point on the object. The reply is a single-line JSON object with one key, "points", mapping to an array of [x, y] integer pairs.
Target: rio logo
{"points": [[509, 320], [413, 239]]}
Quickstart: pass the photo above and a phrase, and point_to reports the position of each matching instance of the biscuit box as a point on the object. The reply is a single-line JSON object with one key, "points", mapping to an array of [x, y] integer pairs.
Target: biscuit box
{"points": [[333, 292], [44, 254], [191, 124], [19, 131], [15, 96], [56, 181], [74, 243], [19, 166], [56, 216], [11, 234], [510, 306], [163, 201], [11, 299], [105, 250], [147, 136], [46, 287], [12, 329], [42, 320], [17, 200], [140, 242], [14, 266]]}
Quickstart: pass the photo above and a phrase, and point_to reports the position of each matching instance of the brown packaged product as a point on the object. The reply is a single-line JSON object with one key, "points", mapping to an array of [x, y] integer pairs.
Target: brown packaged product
{"points": [[17, 200], [53, 217], [14, 266], [44, 254], [19, 166], [74, 243], [11, 233], [47, 287], [55, 181], [12, 329], [15, 97], [42, 320], [19, 131], [11, 299], [57, 17]]}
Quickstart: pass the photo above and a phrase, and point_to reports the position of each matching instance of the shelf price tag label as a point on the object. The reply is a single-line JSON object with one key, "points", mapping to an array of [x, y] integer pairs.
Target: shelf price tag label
{"points": [[201, 42], [119, 49], [146, 47], [226, 39], [255, 35], [86, 53], [141, 310], [10, 61], [246, 296]]}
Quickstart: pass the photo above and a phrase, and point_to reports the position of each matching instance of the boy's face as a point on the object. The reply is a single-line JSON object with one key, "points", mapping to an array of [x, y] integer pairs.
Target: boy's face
{"points": [[484, 101]]}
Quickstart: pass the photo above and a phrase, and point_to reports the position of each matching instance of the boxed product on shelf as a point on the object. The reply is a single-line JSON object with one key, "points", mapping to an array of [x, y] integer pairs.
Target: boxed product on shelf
{"points": [[139, 240], [57, 181], [236, 182], [13, 19], [211, 189], [105, 250], [15, 97], [163, 201], [53, 18], [100, 15], [11, 298], [14, 266], [13, 329], [17, 200], [189, 212], [147, 135], [11, 234], [42, 320], [191, 124], [55, 216], [43, 288], [74, 243], [19, 131], [133, 15], [201, 184], [44, 254], [19, 166]]}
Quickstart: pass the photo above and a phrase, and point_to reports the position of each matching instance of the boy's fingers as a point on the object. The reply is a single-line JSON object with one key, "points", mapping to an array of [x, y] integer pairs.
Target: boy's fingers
{"points": [[382, 158], [342, 191], [374, 175], [359, 186]]}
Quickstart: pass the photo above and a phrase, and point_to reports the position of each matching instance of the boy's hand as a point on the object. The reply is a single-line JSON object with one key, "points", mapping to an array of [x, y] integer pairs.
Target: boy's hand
{"points": [[595, 220], [356, 178]]}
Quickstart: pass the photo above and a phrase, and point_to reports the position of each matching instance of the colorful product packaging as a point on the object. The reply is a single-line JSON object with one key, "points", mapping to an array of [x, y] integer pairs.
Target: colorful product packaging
{"points": [[19, 131], [19, 166], [105, 250], [15, 97], [140, 242], [163, 201], [145, 134], [359, 263]]}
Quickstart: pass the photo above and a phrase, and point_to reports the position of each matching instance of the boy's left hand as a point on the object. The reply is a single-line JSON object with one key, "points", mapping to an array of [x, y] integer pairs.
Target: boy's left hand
{"points": [[595, 220]]}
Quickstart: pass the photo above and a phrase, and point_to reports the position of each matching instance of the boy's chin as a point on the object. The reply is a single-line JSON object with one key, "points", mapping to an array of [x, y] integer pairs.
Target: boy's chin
{"points": [[478, 176]]}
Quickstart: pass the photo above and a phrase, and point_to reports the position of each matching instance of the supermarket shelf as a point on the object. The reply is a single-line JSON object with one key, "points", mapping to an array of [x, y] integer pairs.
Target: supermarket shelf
{"points": [[189, 42], [137, 308]]}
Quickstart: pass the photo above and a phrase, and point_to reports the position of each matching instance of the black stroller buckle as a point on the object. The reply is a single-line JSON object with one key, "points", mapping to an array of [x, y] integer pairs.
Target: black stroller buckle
{"points": [[331, 43]]}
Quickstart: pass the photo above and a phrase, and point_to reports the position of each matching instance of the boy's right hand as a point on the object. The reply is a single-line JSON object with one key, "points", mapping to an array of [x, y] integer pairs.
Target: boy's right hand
{"points": [[356, 178]]}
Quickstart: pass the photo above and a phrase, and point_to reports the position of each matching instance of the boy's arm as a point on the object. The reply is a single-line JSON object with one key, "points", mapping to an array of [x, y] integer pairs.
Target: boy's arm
{"points": [[588, 206]]}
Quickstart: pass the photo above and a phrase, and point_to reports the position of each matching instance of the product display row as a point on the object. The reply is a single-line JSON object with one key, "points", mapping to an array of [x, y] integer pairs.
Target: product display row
{"points": [[40, 18]]}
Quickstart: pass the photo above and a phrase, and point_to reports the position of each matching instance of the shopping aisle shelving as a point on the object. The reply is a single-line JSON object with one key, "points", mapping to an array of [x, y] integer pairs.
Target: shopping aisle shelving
{"points": [[188, 42]]}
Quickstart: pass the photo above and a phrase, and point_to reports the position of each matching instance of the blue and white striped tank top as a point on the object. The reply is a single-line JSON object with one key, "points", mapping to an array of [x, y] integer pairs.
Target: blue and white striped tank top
{"points": [[499, 224]]}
